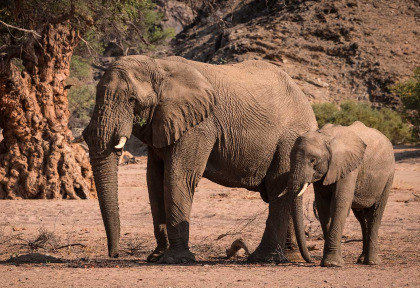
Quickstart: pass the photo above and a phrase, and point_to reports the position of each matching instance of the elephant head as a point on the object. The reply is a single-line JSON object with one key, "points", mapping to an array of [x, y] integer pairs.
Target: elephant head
{"points": [[326, 155], [159, 100]]}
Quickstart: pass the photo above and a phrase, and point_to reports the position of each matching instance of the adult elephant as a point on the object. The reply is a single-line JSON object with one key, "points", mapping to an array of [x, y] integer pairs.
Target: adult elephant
{"points": [[233, 124]]}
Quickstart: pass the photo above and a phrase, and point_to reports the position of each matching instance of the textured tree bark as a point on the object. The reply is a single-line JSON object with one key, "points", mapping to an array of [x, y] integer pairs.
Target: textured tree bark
{"points": [[37, 156]]}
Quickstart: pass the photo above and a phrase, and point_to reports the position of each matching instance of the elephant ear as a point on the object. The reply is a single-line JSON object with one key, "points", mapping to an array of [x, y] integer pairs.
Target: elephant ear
{"points": [[346, 154], [186, 99]]}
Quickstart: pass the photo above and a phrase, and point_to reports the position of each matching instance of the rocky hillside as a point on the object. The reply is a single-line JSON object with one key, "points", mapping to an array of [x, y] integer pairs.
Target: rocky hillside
{"points": [[335, 50]]}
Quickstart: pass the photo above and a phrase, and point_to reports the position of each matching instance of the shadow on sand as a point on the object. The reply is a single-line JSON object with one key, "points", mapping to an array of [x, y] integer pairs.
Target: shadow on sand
{"points": [[38, 258], [405, 152]]}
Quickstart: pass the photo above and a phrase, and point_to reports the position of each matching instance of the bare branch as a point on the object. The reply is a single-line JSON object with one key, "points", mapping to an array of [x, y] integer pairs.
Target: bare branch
{"points": [[21, 29], [138, 33], [90, 49]]}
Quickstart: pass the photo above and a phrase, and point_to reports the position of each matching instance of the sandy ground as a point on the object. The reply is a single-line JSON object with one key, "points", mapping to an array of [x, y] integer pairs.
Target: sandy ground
{"points": [[46, 243]]}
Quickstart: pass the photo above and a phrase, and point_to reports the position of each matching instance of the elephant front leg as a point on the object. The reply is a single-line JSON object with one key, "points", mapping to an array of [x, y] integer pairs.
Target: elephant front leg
{"points": [[155, 173], [184, 165], [179, 191], [323, 203], [340, 207]]}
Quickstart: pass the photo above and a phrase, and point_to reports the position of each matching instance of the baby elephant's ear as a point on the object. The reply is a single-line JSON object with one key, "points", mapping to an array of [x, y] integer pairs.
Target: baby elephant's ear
{"points": [[186, 99], [346, 154]]}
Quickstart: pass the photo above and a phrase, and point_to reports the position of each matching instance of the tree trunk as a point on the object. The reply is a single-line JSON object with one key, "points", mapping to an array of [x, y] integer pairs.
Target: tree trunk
{"points": [[37, 156]]}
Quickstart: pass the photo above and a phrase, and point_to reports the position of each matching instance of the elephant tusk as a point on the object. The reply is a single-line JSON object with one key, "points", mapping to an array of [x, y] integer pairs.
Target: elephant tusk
{"points": [[282, 193], [303, 189], [121, 143]]}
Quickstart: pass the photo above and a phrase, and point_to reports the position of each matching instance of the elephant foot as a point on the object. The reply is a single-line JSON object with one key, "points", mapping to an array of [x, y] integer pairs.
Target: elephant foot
{"points": [[259, 256], [177, 256], [361, 259], [332, 261], [372, 260], [113, 253], [156, 255]]}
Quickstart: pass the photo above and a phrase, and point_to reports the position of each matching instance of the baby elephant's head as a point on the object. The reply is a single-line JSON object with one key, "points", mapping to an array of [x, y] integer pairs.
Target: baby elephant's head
{"points": [[328, 154]]}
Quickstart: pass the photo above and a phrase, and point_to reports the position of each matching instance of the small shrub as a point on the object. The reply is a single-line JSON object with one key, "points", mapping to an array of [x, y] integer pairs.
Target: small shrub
{"points": [[409, 92], [389, 122], [323, 112]]}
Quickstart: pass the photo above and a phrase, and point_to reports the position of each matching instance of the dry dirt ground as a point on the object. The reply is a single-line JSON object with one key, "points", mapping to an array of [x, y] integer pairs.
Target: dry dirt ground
{"points": [[45, 243]]}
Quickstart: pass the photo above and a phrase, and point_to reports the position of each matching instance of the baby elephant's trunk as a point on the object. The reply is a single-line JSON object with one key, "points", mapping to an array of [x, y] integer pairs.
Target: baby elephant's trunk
{"points": [[297, 215]]}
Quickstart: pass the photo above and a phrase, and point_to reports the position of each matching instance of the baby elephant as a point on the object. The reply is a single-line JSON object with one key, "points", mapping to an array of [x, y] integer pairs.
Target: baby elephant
{"points": [[351, 167]]}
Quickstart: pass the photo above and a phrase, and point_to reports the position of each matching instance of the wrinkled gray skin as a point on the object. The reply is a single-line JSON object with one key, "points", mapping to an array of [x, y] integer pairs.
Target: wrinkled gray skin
{"points": [[233, 124], [351, 167]]}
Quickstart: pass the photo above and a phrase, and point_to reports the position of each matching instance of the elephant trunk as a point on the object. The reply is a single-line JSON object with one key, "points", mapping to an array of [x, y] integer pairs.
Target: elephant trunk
{"points": [[105, 174], [297, 216], [296, 187], [106, 136]]}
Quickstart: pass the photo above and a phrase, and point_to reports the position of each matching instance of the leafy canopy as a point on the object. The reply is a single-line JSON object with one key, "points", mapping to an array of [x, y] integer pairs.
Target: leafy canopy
{"points": [[133, 25]]}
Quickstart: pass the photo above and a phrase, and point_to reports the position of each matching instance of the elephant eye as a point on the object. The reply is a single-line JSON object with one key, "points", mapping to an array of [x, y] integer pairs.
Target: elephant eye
{"points": [[132, 99], [313, 160]]}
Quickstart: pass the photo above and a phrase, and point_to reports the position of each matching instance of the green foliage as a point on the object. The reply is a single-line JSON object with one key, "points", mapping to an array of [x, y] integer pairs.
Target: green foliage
{"points": [[139, 121], [157, 35], [132, 25], [81, 102], [81, 96], [80, 67], [323, 112], [389, 122], [409, 92]]}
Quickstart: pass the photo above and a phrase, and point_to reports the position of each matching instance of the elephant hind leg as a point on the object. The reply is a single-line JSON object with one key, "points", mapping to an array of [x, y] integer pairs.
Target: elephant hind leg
{"points": [[271, 247], [375, 214], [361, 216]]}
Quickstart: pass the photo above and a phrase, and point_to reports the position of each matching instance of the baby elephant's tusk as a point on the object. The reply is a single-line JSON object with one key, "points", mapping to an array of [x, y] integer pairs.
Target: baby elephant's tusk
{"points": [[282, 193], [121, 143], [303, 189]]}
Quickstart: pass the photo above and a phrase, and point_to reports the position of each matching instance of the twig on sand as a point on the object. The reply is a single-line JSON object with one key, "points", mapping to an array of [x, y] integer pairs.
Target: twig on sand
{"points": [[70, 245], [352, 240], [247, 223]]}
